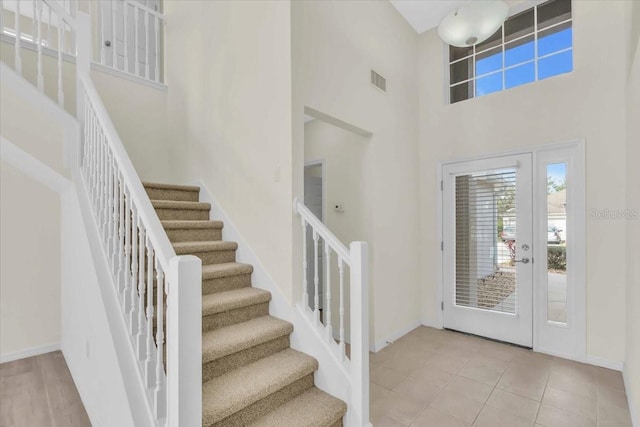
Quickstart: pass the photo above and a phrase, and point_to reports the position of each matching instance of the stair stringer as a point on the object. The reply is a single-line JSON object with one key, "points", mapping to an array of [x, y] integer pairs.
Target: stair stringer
{"points": [[136, 392], [330, 377]]}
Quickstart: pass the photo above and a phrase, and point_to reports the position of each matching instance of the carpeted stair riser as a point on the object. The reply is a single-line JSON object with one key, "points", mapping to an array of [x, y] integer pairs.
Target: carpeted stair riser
{"points": [[194, 234], [215, 257], [221, 284], [250, 373], [182, 214], [175, 195], [266, 405], [232, 317], [241, 358]]}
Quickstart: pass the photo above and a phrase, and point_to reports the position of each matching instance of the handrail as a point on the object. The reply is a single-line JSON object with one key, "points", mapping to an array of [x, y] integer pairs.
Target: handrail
{"points": [[322, 230], [161, 244]]}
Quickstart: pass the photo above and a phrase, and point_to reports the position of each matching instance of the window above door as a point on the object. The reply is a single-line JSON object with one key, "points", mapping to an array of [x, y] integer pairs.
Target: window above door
{"points": [[532, 45]]}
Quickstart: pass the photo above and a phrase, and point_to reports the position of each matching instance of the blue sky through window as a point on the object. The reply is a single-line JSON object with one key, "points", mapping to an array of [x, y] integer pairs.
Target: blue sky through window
{"points": [[550, 66]]}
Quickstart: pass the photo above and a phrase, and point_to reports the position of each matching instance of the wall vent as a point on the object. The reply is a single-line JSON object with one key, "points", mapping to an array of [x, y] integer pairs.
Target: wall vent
{"points": [[378, 81]]}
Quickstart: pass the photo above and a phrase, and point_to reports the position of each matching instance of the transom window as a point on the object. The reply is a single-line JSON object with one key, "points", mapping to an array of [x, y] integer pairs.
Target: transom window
{"points": [[531, 45]]}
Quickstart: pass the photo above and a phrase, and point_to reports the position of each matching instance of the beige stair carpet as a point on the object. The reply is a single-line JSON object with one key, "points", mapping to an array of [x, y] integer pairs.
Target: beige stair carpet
{"points": [[250, 374]]}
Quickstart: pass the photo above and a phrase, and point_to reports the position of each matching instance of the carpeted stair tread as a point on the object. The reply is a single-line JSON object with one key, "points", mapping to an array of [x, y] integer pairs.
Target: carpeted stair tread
{"points": [[313, 408], [183, 248], [233, 299], [214, 271], [232, 339], [161, 186], [229, 393], [178, 205], [180, 225]]}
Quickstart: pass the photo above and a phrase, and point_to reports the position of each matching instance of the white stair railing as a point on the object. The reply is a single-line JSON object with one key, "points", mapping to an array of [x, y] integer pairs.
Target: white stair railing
{"points": [[355, 258], [147, 274], [44, 26], [130, 36]]}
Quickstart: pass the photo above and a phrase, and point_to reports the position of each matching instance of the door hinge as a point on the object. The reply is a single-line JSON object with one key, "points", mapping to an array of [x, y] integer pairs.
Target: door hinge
{"points": [[441, 245], [441, 185], [441, 305]]}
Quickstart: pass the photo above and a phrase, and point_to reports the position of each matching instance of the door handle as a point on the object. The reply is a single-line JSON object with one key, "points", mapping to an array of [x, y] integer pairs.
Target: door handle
{"points": [[523, 260]]}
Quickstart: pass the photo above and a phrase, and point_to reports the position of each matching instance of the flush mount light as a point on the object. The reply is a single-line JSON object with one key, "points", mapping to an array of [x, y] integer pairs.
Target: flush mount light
{"points": [[473, 23]]}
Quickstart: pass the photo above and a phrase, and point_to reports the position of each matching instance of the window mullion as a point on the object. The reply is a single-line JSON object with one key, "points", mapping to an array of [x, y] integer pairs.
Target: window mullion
{"points": [[535, 41], [504, 81]]}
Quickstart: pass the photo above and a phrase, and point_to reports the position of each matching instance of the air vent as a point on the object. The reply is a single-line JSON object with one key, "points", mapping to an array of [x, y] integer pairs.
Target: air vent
{"points": [[378, 81]]}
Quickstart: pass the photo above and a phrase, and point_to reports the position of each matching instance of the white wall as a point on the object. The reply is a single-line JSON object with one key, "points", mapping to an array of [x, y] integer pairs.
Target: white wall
{"points": [[140, 117], [334, 45], [30, 230], [632, 358], [587, 103], [29, 264], [346, 181], [230, 111]]}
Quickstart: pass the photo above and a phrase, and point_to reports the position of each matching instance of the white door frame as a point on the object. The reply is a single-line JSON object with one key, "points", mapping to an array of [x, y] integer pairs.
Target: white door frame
{"points": [[576, 255], [323, 172]]}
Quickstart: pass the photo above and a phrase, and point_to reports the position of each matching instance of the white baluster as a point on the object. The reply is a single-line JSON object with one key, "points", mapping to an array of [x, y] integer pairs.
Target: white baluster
{"points": [[146, 40], [135, 236], [316, 280], [149, 367], [111, 245], [341, 273], [18, 60], [327, 308], [106, 216], [114, 58], [49, 27], [159, 340], [136, 41], [157, 49], [103, 54], [60, 50], [127, 251], [305, 292], [125, 13], [141, 287], [114, 217], [102, 154], [120, 275], [38, 40]]}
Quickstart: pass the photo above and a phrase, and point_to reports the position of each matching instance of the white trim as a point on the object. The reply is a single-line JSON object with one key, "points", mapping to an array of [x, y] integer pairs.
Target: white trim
{"points": [[127, 76], [336, 122], [579, 145], [33, 47], [323, 169], [29, 352], [616, 365], [439, 249], [632, 399], [34, 168], [376, 347]]}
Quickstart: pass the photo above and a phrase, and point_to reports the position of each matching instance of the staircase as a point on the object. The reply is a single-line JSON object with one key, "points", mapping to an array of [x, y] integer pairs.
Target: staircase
{"points": [[250, 375]]}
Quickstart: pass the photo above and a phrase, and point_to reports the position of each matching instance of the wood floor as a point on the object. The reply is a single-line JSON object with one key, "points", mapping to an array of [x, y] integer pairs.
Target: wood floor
{"points": [[39, 392]]}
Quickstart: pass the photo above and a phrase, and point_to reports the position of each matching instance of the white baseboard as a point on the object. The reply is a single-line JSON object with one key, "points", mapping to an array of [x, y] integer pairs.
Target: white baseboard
{"points": [[631, 398], [605, 363], [380, 344], [29, 352]]}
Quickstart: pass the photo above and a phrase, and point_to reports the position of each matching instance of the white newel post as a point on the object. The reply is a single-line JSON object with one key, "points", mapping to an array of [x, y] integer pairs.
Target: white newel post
{"points": [[83, 67], [184, 342], [360, 332]]}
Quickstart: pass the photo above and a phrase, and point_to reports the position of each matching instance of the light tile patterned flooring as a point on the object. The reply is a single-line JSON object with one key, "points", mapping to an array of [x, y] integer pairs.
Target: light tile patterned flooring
{"points": [[439, 378]]}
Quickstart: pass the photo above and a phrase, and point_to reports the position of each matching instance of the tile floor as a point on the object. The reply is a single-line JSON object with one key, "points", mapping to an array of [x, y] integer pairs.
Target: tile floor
{"points": [[440, 378]]}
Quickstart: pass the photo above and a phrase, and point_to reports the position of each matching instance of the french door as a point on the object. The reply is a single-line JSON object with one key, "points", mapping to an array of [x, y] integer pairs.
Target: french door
{"points": [[488, 248]]}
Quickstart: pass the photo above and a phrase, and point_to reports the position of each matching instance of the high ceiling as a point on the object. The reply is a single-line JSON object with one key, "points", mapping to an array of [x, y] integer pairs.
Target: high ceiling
{"points": [[424, 15]]}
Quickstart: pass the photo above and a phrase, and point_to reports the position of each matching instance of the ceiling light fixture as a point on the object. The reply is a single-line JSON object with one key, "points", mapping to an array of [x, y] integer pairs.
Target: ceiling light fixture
{"points": [[473, 23]]}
